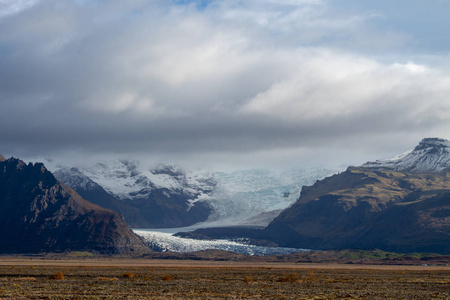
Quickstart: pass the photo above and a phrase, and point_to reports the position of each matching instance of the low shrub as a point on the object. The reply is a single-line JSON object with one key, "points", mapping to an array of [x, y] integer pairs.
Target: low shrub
{"points": [[167, 278], [57, 276], [128, 275], [101, 278]]}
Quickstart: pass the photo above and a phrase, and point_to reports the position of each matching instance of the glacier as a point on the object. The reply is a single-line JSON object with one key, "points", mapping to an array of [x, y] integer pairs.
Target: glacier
{"points": [[241, 198], [255, 197], [164, 241]]}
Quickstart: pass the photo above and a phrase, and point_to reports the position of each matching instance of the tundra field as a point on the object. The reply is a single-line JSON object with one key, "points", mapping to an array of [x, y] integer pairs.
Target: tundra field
{"points": [[32, 278]]}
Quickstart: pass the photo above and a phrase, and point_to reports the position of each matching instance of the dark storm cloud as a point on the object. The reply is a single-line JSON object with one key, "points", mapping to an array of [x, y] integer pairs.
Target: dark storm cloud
{"points": [[252, 81]]}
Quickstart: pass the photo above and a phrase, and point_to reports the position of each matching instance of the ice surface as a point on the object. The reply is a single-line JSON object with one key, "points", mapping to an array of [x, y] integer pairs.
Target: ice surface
{"points": [[255, 197], [164, 241]]}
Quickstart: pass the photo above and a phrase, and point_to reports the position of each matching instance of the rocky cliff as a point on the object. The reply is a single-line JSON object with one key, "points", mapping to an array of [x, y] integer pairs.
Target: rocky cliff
{"points": [[40, 214]]}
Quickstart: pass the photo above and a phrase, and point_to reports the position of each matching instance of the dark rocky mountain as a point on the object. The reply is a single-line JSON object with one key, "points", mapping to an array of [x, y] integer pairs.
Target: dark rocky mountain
{"points": [[365, 209], [40, 214], [137, 198], [401, 205]]}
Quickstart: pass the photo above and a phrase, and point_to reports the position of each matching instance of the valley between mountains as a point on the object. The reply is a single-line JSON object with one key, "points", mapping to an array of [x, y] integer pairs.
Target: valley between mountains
{"points": [[397, 205]]}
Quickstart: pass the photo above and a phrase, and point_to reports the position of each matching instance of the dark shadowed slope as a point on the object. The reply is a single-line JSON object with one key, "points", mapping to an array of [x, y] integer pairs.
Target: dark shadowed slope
{"points": [[41, 214]]}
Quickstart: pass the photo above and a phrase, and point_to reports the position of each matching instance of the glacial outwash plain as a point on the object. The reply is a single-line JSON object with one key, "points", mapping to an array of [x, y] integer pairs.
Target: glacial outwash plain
{"points": [[124, 278]]}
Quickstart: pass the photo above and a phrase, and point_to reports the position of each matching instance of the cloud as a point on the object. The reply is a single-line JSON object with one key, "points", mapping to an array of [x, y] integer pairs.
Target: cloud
{"points": [[235, 81], [330, 85], [10, 7]]}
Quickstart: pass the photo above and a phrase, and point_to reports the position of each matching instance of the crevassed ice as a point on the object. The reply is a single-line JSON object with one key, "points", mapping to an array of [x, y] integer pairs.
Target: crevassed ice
{"points": [[163, 241]]}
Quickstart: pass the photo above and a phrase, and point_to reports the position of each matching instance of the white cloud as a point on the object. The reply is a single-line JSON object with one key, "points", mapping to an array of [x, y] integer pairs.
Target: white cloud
{"points": [[10, 7], [329, 84], [227, 80]]}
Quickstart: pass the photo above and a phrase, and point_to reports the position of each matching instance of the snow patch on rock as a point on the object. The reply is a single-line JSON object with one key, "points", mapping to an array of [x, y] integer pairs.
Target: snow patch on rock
{"points": [[431, 155]]}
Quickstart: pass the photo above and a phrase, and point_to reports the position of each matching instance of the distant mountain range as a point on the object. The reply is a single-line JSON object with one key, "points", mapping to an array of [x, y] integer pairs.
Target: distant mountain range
{"points": [[40, 214], [401, 204], [167, 196], [158, 198]]}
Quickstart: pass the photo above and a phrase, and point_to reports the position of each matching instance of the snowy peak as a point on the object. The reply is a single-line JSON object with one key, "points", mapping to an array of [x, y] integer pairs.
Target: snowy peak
{"points": [[430, 156], [128, 180], [121, 178], [75, 179], [433, 145], [164, 197]]}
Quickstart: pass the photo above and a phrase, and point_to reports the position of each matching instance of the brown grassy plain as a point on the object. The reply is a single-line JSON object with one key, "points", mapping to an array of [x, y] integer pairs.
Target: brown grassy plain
{"points": [[111, 278]]}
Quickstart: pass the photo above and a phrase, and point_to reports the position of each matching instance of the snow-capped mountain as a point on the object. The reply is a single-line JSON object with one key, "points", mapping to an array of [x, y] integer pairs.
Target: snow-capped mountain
{"points": [[161, 197], [167, 196], [127, 180], [431, 155], [74, 178]]}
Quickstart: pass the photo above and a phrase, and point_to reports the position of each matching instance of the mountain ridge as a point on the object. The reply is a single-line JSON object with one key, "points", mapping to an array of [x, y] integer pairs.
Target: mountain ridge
{"points": [[395, 207]]}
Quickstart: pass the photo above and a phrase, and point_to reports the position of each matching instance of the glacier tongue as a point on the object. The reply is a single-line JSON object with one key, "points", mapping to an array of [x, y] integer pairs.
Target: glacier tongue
{"points": [[163, 241]]}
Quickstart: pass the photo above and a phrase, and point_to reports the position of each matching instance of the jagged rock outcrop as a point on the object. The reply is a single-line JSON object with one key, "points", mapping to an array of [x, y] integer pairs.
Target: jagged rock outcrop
{"points": [[40, 214]]}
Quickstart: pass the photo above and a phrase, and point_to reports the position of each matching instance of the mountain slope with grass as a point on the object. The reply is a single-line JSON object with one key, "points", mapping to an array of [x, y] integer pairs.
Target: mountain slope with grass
{"points": [[364, 209]]}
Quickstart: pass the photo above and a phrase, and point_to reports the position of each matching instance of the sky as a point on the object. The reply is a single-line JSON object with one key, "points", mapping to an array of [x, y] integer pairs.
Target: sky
{"points": [[223, 84]]}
